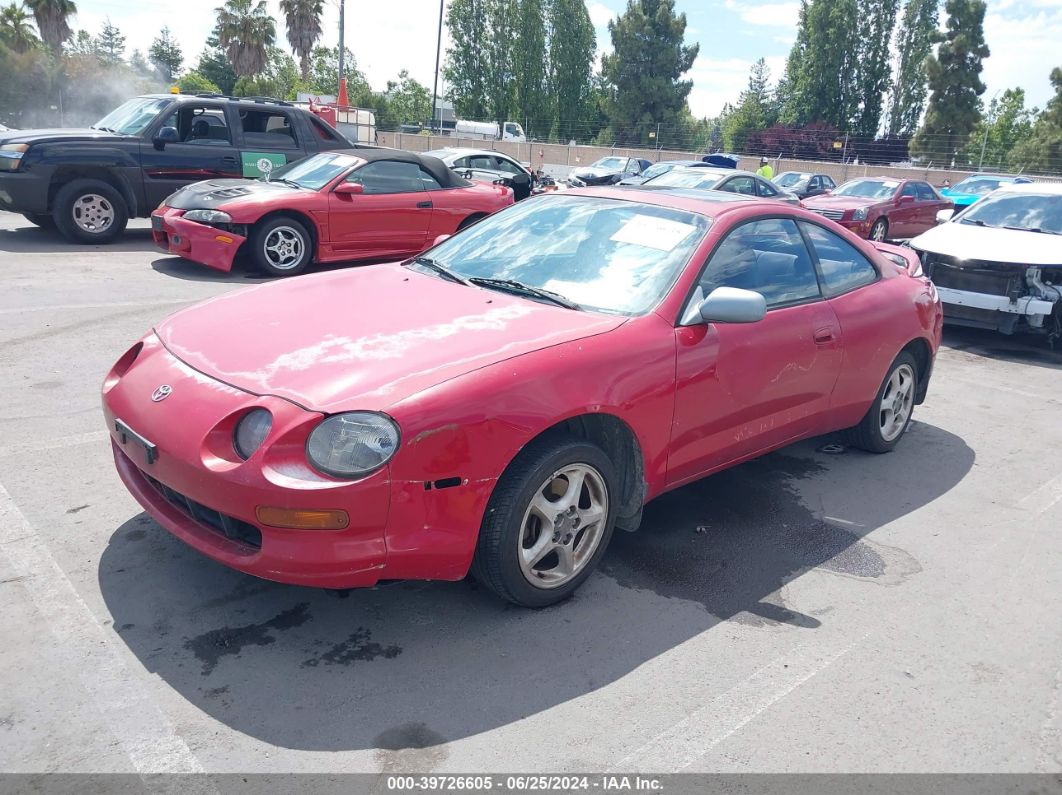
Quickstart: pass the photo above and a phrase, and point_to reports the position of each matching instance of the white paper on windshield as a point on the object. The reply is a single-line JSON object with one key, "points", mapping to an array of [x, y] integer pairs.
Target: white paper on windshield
{"points": [[890, 183], [652, 232]]}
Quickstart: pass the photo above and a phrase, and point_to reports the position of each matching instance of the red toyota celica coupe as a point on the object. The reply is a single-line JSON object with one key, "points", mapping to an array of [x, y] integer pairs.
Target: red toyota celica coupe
{"points": [[364, 204], [504, 400]]}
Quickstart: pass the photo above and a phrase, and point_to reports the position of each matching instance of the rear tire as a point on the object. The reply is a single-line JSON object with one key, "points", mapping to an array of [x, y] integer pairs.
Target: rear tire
{"points": [[90, 211], [880, 230], [470, 221], [42, 220], [886, 421], [548, 522], [281, 246]]}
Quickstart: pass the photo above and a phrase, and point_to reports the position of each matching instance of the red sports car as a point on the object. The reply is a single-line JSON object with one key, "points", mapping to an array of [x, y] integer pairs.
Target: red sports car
{"points": [[364, 204], [882, 208], [506, 399]]}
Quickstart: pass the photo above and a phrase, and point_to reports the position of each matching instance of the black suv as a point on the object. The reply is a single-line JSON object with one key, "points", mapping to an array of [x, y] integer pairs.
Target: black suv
{"points": [[88, 183]]}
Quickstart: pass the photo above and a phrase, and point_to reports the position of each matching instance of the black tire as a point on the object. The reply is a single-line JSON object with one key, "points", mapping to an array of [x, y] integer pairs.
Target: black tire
{"points": [[275, 231], [472, 219], [880, 230], [501, 534], [42, 220], [89, 200], [868, 434]]}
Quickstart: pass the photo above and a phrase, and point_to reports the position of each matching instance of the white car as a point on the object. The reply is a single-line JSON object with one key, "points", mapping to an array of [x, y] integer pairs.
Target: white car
{"points": [[489, 166], [998, 263]]}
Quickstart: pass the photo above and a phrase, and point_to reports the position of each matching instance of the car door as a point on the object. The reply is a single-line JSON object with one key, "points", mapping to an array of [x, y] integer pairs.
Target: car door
{"points": [[815, 187], [903, 216], [390, 218], [929, 204], [203, 149], [268, 138], [745, 388], [521, 180], [744, 185]]}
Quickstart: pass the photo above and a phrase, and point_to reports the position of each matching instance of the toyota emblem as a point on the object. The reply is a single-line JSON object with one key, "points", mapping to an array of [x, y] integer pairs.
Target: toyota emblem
{"points": [[161, 392]]}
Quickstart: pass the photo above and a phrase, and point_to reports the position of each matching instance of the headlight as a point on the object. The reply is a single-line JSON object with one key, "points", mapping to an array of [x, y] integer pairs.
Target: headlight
{"points": [[860, 214], [251, 431], [11, 156], [352, 444], [209, 217]]}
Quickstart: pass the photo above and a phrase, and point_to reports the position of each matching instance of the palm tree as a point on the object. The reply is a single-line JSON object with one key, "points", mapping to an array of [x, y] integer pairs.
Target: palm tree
{"points": [[245, 32], [51, 16], [15, 29], [304, 28]]}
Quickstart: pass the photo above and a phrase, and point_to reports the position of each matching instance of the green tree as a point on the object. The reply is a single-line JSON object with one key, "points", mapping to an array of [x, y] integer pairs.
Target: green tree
{"points": [[165, 53], [407, 100], [820, 81], [278, 78], [138, 63], [246, 31], [499, 49], [196, 83], [530, 92], [110, 44], [954, 83], [1006, 124], [1042, 152], [579, 101], [82, 43], [324, 75], [16, 31], [914, 44], [214, 65], [644, 72], [303, 19], [753, 111], [877, 18], [52, 17], [466, 60]]}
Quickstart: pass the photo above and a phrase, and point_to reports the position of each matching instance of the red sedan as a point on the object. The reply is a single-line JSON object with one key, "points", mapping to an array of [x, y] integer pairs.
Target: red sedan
{"points": [[365, 204], [881, 208], [506, 399]]}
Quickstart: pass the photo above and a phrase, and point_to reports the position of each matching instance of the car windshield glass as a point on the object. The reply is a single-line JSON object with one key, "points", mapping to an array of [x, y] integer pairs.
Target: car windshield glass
{"points": [[790, 178], [313, 172], [1036, 211], [611, 163], [868, 188], [130, 118], [657, 169], [602, 254], [687, 178], [978, 186]]}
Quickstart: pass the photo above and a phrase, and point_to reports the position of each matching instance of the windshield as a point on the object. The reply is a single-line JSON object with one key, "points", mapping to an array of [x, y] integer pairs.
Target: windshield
{"points": [[313, 172], [979, 186], [868, 188], [611, 163], [606, 255], [1035, 211], [687, 178], [132, 117], [657, 169], [790, 178]]}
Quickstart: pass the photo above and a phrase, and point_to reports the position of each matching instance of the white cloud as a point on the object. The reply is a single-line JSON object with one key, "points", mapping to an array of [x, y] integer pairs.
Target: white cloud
{"points": [[717, 81], [776, 14], [1025, 48], [600, 14]]}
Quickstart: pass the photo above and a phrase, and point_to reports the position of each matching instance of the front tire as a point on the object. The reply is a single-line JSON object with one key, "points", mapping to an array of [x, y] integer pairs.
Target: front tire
{"points": [[880, 230], [281, 246], [90, 211], [885, 422], [548, 522]]}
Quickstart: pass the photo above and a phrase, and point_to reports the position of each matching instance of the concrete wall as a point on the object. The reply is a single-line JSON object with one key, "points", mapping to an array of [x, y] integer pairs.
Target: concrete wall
{"points": [[557, 159]]}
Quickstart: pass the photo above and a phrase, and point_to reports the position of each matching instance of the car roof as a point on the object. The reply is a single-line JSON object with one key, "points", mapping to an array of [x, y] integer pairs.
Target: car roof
{"points": [[464, 151], [433, 165], [1051, 188], [710, 203]]}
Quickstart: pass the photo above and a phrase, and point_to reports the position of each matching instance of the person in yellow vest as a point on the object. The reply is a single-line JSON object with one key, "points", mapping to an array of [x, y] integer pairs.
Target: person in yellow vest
{"points": [[765, 169]]}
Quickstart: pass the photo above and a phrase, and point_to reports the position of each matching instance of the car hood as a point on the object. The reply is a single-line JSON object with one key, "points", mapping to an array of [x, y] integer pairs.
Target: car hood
{"points": [[364, 338], [985, 244], [838, 202], [213, 194], [58, 134]]}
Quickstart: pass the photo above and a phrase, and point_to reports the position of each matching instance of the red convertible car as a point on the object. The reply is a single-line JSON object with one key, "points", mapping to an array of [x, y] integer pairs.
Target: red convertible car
{"points": [[882, 208], [504, 400], [364, 204]]}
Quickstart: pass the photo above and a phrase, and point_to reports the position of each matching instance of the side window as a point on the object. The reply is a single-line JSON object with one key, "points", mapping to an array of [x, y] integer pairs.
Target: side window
{"points": [[842, 266], [268, 129], [461, 162], [389, 176], [744, 185], [508, 166], [325, 132], [814, 184], [481, 161], [428, 181], [909, 190], [765, 188], [926, 193], [767, 256], [203, 126], [827, 182]]}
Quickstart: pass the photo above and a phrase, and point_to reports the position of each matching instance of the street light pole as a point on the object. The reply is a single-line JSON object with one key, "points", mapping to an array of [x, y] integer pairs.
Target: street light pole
{"points": [[435, 86], [342, 46]]}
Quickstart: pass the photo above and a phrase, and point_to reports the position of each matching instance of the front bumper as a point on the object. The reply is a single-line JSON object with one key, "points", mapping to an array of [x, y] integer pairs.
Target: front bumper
{"points": [[206, 245], [23, 192], [861, 228]]}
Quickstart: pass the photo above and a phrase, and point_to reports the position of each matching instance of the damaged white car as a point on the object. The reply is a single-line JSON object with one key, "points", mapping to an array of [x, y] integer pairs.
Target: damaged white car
{"points": [[998, 263]]}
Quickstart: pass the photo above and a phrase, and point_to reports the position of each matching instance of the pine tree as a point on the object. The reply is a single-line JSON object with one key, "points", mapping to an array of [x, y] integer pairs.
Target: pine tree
{"points": [[110, 44], [1042, 152], [753, 111], [166, 55], [877, 18], [465, 70], [914, 44], [954, 83], [571, 82], [530, 104]]}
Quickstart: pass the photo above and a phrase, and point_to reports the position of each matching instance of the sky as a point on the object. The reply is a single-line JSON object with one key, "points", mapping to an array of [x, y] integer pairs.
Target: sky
{"points": [[387, 37]]}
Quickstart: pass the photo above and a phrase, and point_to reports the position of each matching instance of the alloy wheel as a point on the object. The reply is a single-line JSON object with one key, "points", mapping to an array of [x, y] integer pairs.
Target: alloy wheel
{"points": [[897, 401], [283, 248], [93, 213]]}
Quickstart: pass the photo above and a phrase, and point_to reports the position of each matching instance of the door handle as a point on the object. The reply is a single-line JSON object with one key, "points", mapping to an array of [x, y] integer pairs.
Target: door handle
{"points": [[823, 335], [423, 205], [228, 160]]}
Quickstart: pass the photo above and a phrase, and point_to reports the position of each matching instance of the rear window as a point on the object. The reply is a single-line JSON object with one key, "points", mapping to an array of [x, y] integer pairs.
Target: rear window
{"points": [[325, 132], [267, 129]]}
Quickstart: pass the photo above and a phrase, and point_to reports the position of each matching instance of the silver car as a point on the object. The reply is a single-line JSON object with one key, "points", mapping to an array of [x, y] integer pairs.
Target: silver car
{"points": [[484, 164], [725, 179]]}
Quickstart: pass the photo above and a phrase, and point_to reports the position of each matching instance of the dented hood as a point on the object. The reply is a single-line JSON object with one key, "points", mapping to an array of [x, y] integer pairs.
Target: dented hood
{"points": [[991, 244], [364, 338]]}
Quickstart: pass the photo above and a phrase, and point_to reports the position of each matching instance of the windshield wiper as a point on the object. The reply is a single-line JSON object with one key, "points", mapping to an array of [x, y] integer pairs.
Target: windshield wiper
{"points": [[975, 221], [105, 129], [1031, 229], [513, 286], [442, 270], [288, 182]]}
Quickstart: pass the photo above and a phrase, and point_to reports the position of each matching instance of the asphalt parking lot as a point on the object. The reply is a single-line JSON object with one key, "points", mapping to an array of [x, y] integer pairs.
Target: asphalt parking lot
{"points": [[815, 610]]}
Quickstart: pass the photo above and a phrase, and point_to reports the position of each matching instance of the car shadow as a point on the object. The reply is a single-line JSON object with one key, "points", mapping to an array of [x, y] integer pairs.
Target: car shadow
{"points": [[416, 664], [1020, 348], [34, 240]]}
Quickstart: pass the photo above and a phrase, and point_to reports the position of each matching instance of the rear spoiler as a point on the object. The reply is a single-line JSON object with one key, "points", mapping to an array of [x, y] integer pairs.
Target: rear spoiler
{"points": [[905, 257]]}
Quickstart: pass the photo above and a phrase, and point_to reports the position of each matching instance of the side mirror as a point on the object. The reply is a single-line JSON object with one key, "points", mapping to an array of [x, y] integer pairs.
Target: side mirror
{"points": [[944, 216], [440, 239], [905, 200], [733, 305], [349, 189], [167, 135]]}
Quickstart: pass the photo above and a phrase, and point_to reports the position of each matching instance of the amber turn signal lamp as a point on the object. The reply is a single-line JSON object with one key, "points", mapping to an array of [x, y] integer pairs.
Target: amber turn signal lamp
{"points": [[301, 520]]}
